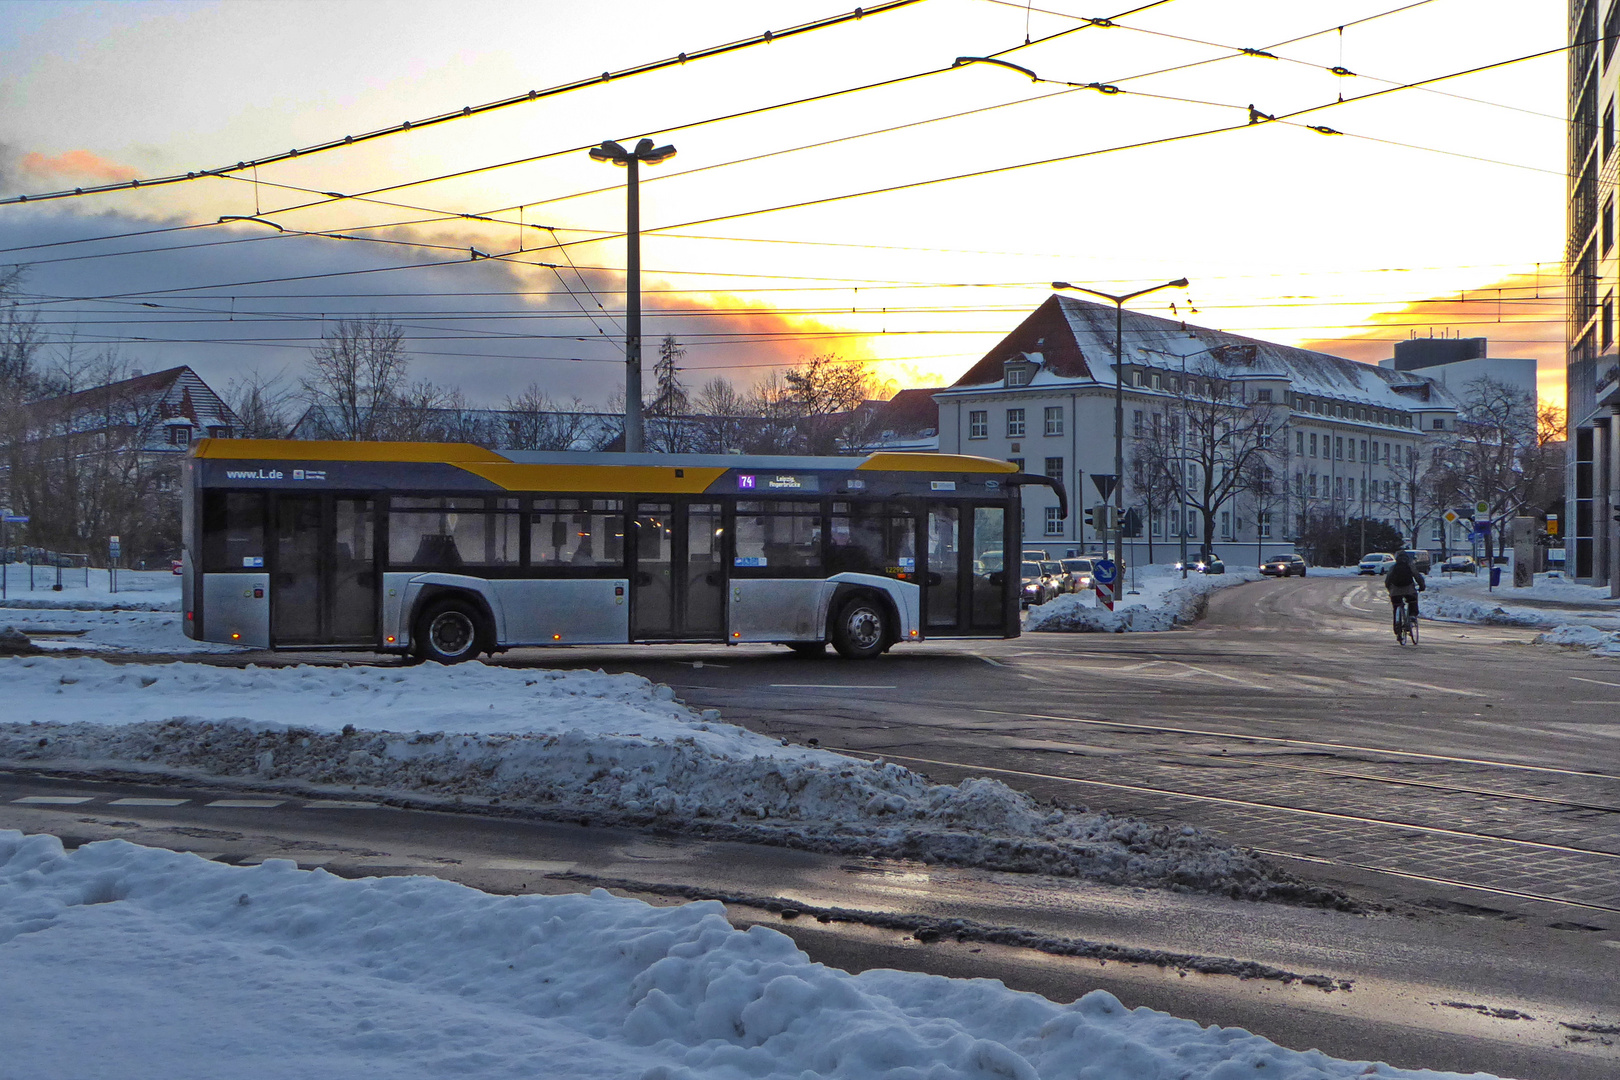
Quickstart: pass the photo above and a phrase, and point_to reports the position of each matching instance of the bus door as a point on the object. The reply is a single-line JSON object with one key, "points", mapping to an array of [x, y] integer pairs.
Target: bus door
{"points": [[678, 583], [323, 571], [967, 584]]}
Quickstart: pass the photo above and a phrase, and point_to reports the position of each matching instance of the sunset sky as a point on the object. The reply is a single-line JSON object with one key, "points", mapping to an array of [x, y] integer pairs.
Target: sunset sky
{"points": [[1432, 210]]}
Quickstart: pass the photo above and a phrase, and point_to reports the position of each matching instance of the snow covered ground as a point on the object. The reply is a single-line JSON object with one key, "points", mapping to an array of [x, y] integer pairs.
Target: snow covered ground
{"points": [[187, 969], [1594, 625], [614, 748], [138, 590], [1164, 602]]}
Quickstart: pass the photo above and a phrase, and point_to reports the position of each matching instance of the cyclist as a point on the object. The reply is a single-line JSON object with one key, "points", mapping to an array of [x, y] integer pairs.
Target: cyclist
{"points": [[1404, 583]]}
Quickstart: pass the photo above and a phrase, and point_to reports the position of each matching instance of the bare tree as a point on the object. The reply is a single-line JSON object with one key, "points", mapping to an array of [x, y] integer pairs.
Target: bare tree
{"points": [[357, 376], [719, 417], [1219, 440], [1501, 454], [264, 405], [537, 422]]}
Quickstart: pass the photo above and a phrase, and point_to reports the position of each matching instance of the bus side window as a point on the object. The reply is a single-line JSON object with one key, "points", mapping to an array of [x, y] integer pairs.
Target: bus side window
{"points": [[233, 531], [446, 532], [577, 533], [782, 537]]}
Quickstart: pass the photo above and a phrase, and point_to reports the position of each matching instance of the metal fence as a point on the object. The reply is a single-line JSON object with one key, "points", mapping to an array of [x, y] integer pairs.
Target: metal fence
{"points": [[32, 569]]}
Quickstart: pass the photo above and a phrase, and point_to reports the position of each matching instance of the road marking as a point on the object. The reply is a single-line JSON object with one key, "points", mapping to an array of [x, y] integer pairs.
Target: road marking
{"points": [[246, 804], [149, 802], [828, 686], [1600, 682], [1586, 702], [992, 663], [53, 800], [340, 804], [1441, 689]]}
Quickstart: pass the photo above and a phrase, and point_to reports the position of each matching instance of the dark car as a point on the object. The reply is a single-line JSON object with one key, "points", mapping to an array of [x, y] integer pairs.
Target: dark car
{"points": [[1285, 565], [1211, 565], [1459, 564], [1035, 588]]}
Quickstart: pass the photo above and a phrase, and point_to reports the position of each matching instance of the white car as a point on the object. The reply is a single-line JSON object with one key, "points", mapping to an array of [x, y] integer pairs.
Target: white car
{"points": [[1375, 562]]}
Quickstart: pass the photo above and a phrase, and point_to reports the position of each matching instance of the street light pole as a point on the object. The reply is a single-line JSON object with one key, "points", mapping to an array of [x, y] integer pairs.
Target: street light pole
{"points": [[1119, 394], [631, 160]]}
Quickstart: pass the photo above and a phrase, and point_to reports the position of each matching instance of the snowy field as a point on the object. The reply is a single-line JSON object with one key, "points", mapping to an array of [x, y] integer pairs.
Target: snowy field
{"points": [[189, 970], [614, 748], [1164, 601], [138, 590]]}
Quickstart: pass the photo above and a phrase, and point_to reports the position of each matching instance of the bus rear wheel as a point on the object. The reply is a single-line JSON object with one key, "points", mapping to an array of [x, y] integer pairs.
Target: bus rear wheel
{"points": [[861, 629], [449, 632]]}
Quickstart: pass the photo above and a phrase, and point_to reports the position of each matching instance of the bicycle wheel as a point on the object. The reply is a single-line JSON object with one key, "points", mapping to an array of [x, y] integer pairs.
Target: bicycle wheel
{"points": [[1411, 625]]}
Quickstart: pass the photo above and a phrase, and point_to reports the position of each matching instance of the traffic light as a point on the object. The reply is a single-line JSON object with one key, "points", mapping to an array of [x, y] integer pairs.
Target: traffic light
{"points": [[1096, 517]]}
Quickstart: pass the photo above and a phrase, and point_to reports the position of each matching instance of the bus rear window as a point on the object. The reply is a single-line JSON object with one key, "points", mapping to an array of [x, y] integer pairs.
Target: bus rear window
{"points": [[233, 532]]}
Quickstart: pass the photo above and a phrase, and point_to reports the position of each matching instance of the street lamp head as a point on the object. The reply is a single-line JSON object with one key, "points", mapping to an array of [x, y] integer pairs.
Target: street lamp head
{"points": [[653, 156], [962, 61], [1061, 285], [1179, 283], [611, 151]]}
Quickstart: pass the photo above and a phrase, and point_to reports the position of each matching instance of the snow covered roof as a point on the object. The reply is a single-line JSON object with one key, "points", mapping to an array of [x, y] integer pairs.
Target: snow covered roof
{"points": [[1072, 342]]}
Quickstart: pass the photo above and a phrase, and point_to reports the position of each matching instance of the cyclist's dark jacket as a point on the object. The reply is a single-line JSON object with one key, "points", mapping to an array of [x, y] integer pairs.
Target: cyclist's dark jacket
{"points": [[1402, 580]]}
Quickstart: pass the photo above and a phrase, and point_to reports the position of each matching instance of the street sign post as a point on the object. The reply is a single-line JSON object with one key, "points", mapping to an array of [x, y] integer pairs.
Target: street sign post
{"points": [[114, 549], [1104, 575]]}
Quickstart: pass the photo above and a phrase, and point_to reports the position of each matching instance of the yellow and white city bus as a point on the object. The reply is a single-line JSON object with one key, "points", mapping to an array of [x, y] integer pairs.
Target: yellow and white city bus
{"points": [[448, 550]]}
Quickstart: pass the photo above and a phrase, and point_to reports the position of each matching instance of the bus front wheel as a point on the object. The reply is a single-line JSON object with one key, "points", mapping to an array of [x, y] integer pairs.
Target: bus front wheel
{"points": [[449, 632], [861, 629]]}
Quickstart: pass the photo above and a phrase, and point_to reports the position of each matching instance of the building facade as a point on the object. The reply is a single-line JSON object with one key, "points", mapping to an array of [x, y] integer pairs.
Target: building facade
{"points": [[1336, 439], [1593, 277]]}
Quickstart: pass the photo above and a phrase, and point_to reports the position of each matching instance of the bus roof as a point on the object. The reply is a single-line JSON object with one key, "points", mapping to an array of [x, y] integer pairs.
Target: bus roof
{"points": [[435, 464]]}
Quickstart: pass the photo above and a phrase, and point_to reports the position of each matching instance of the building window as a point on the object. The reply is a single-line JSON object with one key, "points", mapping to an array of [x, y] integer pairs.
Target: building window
{"points": [[1136, 423], [1263, 521], [1439, 423], [1138, 378], [1311, 491], [1054, 524], [1313, 444], [1608, 319], [1226, 524], [1338, 447], [979, 424], [1018, 376], [180, 435], [1157, 383], [1262, 436], [1262, 395], [1054, 468], [1018, 461], [1054, 419], [1015, 423], [1363, 449], [1192, 523]]}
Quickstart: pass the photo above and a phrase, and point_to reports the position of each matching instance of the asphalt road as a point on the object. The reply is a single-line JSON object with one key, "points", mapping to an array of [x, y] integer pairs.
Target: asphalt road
{"points": [[1470, 788]]}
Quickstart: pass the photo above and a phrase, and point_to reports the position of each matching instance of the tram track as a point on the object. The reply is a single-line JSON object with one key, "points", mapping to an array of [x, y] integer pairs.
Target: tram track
{"points": [[1307, 812]]}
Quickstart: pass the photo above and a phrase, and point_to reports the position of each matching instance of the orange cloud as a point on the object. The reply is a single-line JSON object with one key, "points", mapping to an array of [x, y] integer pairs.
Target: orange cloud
{"points": [[74, 165], [1522, 314]]}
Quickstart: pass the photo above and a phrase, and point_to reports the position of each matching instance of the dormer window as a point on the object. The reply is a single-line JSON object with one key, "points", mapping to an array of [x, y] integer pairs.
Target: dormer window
{"points": [[1020, 370], [1017, 375], [1262, 395]]}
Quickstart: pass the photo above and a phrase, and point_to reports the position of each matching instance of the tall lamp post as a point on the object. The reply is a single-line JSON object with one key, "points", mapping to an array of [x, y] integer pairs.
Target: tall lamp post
{"points": [[611, 151], [1119, 394]]}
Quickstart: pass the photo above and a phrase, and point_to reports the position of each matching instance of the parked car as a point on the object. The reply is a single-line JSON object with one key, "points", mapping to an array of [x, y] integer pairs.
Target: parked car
{"points": [[1421, 560], [1036, 589], [1036, 555], [1460, 564], [1283, 565], [1211, 565], [1062, 581], [1375, 562], [1080, 570]]}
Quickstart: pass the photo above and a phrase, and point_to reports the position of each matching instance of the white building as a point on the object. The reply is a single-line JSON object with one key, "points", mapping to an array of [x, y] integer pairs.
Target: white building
{"points": [[1457, 363], [1044, 398]]}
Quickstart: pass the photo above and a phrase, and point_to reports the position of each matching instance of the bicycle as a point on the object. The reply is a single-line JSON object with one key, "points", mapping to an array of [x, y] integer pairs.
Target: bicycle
{"points": [[1406, 625]]}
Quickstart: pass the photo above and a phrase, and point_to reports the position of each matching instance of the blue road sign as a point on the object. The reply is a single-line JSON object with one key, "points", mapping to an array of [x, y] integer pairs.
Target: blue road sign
{"points": [[15, 519], [1104, 571]]}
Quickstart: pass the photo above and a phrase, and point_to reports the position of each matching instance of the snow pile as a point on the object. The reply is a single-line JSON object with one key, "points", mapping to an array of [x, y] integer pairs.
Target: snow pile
{"points": [[1590, 638], [1436, 604], [312, 975], [1165, 602], [567, 745]]}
